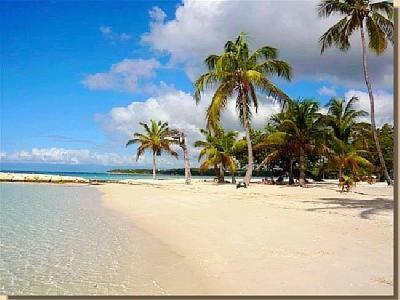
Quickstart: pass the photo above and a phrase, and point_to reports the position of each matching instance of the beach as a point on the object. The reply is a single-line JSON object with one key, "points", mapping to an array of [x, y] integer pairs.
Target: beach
{"points": [[268, 239], [145, 237]]}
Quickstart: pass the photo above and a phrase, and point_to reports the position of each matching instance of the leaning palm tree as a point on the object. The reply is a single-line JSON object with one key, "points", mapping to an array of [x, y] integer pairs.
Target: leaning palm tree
{"points": [[179, 137], [240, 74], [218, 149], [363, 15], [157, 139]]}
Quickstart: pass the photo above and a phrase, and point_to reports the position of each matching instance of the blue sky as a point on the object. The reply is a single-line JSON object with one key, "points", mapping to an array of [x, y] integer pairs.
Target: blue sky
{"points": [[78, 76]]}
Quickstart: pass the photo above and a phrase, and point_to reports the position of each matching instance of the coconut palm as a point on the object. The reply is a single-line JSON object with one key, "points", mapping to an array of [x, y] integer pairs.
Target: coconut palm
{"points": [[218, 149], [342, 119], [346, 156], [281, 148], [238, 73], [157, 139], [299, 132], [365, 16]]}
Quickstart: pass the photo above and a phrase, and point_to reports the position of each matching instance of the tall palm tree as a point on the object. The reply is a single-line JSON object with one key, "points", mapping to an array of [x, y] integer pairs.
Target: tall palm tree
{"points": [[238, 73], [342, 119], [363, 15], [157, 139], [218, 149], [299, 132]]}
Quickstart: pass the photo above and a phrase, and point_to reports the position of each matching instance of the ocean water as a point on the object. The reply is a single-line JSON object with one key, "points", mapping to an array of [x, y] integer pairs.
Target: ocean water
{"points": [[104, 175], [59, 240]]}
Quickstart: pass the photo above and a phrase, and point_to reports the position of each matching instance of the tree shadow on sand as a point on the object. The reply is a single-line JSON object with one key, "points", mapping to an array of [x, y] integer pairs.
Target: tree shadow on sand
{"points": [[367, 207]]}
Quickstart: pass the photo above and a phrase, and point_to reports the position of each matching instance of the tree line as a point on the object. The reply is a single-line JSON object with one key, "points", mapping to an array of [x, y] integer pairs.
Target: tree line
{"points": [[299, 135]]}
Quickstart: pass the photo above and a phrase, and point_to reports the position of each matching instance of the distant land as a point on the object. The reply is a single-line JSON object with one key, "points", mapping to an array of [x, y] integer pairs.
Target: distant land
{"points": [[181, 171]]}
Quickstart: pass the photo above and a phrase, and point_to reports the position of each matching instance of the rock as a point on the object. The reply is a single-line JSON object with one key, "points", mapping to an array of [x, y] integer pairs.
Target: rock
{"points": [[15, 177]]}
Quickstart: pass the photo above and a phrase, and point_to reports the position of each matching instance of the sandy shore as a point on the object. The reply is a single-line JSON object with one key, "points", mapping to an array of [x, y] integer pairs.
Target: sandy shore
{"points": [[274, 240]]}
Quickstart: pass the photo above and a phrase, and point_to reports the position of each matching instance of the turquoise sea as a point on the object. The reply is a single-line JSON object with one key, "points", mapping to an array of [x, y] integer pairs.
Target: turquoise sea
{"points": [[102, 175], [60, 240]]}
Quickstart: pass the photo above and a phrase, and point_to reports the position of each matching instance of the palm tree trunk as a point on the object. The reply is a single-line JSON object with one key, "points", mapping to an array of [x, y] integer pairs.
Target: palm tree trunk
{"points": [[221, 178], [246, 125], [154, 166], [216, 172], [302, 162], [340, 174], [188, 175], [233, 178], [291, 180], [372, 104]]}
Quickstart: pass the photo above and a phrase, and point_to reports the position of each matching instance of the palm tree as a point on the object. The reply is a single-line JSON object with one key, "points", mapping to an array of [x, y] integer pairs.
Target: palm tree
{"points": [[239, 73], [346, 156], [157, 139], [374, 18], [342, 117], [281, 147], [218, 148], [342, 120], [299, 132], [180, 138]]}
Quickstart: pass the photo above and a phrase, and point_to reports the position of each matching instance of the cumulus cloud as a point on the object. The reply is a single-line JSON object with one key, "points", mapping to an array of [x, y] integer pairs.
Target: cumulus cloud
{"points": [[123, 76], [65, 156], [201, 27], [327, 91], [180, 111], [113, 37], [383, 105]]}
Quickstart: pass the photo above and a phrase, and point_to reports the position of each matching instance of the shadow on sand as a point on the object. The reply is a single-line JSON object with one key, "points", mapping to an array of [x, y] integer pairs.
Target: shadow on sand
{"points": [[367, 207]]}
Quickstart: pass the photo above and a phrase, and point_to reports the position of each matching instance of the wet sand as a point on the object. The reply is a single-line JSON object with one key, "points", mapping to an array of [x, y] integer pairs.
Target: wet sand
{"points": [[267, 240]]}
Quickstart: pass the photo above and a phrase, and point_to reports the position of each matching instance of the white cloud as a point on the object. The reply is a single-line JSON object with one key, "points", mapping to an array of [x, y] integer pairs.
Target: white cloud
{"points": [[157, 15], [65, 156], [383, 105], [201, 27], [114, 37], [327, 91], [180, 111], [123, 76]]}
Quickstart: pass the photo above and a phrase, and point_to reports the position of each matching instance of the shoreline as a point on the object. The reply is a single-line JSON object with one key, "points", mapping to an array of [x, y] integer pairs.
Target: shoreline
{"points": [[266, 239], [269, 239]]}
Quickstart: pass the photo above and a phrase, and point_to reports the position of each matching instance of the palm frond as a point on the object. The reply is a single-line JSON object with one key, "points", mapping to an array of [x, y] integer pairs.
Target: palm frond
{"points": [[336, 35], [329, 7], [383, 6], [377, 40]]}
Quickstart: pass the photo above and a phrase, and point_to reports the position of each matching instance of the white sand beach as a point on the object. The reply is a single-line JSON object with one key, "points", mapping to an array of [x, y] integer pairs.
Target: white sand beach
{"points": [[270, 240]]}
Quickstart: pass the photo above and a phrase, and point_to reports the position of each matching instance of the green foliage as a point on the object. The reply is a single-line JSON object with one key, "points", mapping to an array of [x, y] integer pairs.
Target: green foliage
{"points": [[239, 73], [218, 149], [344, 144], [376, 18], [293, 131], [157, 139]]}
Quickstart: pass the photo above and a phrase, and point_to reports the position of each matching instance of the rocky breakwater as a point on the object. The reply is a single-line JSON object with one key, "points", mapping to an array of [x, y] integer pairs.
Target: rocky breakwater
{"points": [[21, 177]]}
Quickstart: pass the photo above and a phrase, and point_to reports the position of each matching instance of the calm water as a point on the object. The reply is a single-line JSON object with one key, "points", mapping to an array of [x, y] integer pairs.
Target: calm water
{"points": [[102, 176], [59, 240]]}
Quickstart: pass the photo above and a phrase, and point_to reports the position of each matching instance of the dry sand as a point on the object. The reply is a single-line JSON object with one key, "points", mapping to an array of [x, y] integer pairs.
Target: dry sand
{"points": [[270, 240]]}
